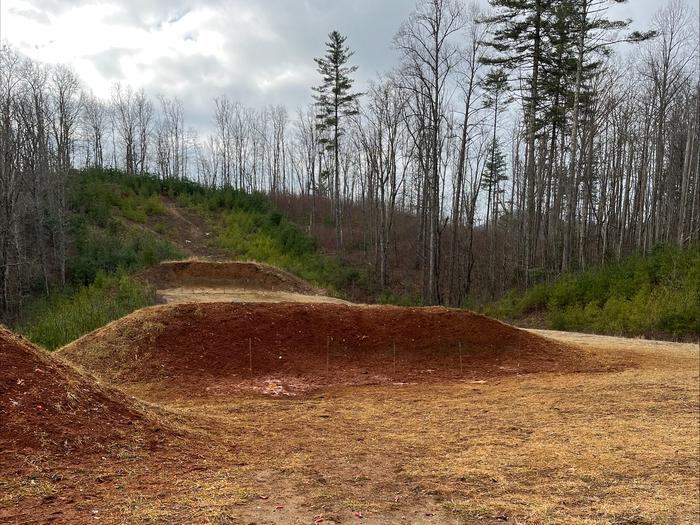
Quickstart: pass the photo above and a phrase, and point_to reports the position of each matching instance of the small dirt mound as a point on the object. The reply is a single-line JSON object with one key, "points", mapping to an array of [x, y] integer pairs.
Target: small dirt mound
{"points": [[47, 407], [210, 348], [228, 274]]}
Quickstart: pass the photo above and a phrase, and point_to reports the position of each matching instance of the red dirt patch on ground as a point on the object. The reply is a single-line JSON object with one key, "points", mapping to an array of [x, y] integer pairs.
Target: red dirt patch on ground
{"points": [[215, 348], [47, 407]]}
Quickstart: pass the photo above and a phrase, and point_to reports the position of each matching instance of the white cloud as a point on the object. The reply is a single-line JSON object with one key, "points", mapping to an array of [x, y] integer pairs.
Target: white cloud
{"points": [[257, 51]]}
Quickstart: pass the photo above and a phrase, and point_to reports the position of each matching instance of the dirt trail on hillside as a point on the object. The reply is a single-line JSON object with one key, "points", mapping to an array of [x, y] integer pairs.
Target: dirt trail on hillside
{"points": [[209, 276], [189, 231]]}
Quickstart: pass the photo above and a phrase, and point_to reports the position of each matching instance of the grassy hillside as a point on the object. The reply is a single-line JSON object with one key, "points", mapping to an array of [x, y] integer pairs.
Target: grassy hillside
{"points": [[120, 225], [249, 227], [653, 295]]}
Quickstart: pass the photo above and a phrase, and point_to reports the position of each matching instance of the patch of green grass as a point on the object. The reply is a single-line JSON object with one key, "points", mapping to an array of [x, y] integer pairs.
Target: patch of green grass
{"points": [[115, 247], [642, 295], [71, 313], [98, 196], [102, 242]]}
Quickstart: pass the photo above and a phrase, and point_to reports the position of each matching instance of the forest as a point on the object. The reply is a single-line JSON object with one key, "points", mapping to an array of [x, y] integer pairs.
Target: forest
{"points": [[509, 145]]}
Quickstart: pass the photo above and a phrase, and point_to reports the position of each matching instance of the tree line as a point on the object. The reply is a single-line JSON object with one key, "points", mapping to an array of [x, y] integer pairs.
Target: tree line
{"points": [[527, 139]]}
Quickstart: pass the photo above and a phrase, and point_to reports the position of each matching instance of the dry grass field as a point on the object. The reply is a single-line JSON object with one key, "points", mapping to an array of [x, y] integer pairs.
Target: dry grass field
{"points": [[583, 448], [607, 448]]}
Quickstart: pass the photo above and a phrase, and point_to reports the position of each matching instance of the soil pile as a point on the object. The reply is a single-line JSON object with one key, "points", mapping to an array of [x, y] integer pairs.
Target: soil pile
{"points": [[279, 348], [47, 407], [229, 274]]}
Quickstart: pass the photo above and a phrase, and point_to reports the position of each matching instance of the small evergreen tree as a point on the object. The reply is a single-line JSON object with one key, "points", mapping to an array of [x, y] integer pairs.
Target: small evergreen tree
{"points": [[494, 173], [496, 97], [494, 168], [334, 102]]}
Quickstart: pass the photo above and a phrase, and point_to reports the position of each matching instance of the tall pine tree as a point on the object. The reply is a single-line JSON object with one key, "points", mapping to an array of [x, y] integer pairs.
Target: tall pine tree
{"points": [[334, 102], [518, 44]]}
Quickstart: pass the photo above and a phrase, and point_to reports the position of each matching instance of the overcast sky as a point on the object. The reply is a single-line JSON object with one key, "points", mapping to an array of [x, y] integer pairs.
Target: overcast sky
{"points": [[256, 51]]}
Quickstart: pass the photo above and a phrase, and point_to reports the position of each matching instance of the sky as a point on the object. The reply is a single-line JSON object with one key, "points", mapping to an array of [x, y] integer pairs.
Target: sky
{"points": [[258, 52]]}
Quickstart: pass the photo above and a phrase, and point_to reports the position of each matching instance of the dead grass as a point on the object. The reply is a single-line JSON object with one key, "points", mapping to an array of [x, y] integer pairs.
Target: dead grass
{"points": [[238, 295], [600, 448], [13, 490], [606, 448]]}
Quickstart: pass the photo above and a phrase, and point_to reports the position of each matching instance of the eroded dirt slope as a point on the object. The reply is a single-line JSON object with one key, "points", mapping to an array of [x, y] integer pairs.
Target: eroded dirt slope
{"points": [[209, 348], [47, 407]]}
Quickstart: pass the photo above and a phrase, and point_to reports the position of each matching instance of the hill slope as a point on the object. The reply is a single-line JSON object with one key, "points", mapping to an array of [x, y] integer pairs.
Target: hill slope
{"points": [[123, 225]]}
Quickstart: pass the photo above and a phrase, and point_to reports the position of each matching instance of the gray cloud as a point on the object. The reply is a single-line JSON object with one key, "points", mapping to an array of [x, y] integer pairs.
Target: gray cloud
{"points": [[108, 62]]}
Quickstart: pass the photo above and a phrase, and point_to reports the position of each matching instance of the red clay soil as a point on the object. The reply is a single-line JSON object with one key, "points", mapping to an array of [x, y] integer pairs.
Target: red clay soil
{"points": [[48, 408], [214, 348], [234, 274]]}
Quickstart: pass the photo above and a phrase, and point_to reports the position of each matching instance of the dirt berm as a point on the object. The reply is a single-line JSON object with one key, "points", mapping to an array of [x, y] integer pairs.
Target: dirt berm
{"points": [[213, 348], [232, 274], [48, 408]]}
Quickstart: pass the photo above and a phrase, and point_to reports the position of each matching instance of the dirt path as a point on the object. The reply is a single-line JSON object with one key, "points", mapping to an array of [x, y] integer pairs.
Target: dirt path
{"points": [[189, 231], [192, 235], [615, 343], [239, 295]]}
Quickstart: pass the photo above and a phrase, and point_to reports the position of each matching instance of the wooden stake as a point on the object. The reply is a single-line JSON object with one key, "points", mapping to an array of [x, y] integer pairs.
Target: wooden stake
{"points": [[461, 369], [394, 358], [328, 353], [250, 355]]}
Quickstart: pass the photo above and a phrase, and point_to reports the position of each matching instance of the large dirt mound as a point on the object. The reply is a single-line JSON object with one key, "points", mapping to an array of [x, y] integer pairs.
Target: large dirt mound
{"points": [[228, 274], [209, 348], [48, 407]]}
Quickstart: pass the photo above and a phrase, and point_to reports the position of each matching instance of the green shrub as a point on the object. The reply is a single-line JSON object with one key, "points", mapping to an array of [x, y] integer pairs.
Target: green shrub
{"points": [[249, 227]]}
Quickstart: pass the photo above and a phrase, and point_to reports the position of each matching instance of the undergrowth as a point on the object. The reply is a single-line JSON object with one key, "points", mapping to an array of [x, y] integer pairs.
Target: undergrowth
{"points": [[66, 315], [248, 227], [655, 294]]}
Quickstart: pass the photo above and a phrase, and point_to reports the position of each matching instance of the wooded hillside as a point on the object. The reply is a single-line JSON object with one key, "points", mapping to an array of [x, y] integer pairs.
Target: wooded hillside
{"points": [[506, 147]]}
